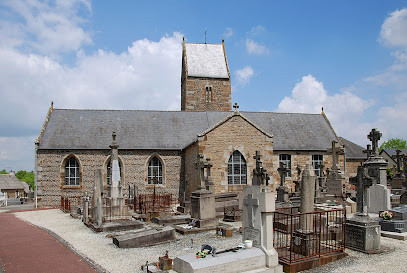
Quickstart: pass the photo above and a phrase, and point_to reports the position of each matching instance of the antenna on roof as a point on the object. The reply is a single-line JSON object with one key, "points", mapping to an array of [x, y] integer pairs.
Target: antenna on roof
{"points": [[205, 35]]}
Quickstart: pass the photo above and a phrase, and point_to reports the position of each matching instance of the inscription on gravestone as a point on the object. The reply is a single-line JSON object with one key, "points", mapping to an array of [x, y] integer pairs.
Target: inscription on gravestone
{"points": [[254, 235]]}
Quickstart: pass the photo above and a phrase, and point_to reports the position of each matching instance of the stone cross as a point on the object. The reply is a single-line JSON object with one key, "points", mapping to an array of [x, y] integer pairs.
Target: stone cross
{"points": [[362, 182], [368, 150], [335, 150], [307, 196], [260, 176], [236, 106], [283, 171], [200, 166], [374, 136], [398, 157], [250, 203], [208, 181]]}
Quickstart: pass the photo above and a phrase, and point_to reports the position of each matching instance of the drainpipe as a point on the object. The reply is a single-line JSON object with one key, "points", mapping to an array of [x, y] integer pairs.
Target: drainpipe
{"points": [[36, 174]]}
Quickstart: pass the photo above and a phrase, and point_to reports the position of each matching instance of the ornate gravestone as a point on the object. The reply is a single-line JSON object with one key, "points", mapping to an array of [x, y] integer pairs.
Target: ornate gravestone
{"points": [[378, 195], [282, 192], [203, 200], [320, 186], [334, 182], [362, 232], [257, 216]]}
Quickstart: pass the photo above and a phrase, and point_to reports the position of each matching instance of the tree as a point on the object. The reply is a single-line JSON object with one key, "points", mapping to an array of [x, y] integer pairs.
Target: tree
{"points": [[27, 177], [3, 171], [394, 143]]}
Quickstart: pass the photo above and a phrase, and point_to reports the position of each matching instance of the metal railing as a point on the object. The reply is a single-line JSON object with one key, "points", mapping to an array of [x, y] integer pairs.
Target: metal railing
{"points": [[150, 202], [70, 202], [299, 236]]}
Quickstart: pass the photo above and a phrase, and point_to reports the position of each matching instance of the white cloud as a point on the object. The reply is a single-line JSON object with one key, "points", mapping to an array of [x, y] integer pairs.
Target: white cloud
{"points": [[17, 153], [47, 28], [255, 48], [228, 33], [257, 31], [344, 110], [244, 75], [394, 29]]}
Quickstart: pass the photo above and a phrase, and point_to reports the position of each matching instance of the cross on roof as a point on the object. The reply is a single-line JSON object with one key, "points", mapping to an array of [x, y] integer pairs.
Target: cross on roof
{"points": [[236, 106], [374, 136], [250, 203]]}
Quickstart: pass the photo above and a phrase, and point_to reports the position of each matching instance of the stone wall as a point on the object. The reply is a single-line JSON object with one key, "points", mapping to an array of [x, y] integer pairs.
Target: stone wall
{"points": [[193, 94], [134, 165], [234, 134]]}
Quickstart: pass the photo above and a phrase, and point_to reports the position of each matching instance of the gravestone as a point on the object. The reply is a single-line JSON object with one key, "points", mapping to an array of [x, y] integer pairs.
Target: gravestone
{"points": [[282, 191], [399, 179], [203, 205], [362, 232], [304, 242], [320, 184], [399, 221], [335, 180], [145, 237], [378, 195]]}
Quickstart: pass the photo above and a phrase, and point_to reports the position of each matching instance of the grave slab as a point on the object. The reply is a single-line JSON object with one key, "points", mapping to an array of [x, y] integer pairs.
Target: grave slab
{"points": [[246, 260], [145, 237], [172, 220]]}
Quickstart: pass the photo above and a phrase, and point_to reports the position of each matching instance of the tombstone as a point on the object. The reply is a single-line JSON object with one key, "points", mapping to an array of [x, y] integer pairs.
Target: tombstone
{"points": [[257, 216], [319, 184], [362, 232], [85, 204], [378, 195], [335, 180], [304, 241], [97, 192], [257, 225], [282, 192], [208, 180], [399, 221], [145, 237], [399, 179], [203, 205]]}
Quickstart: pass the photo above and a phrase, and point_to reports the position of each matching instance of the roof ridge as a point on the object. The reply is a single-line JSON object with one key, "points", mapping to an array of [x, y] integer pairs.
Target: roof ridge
{"points": [[202, 44]]}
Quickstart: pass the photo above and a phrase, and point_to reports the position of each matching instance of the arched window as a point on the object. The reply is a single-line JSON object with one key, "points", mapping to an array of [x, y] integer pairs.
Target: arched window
{"points": [[237, 173], [108, 171], [72, 172], [155, 171]]}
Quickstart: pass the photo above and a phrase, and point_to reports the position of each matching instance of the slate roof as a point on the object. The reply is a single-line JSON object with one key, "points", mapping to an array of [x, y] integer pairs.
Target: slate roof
{"points": [[353, 151], [391, 152], [175, 130], [206, 60], [10, 182]]}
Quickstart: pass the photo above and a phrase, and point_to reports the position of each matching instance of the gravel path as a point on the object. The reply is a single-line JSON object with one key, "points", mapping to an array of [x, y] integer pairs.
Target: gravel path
{"points": [[101, 250]]}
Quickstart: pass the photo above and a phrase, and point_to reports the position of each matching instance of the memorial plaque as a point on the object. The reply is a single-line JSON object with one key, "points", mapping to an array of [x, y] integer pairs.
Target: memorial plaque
{"points": [[355, 237], [253, 234], [334, 187]]}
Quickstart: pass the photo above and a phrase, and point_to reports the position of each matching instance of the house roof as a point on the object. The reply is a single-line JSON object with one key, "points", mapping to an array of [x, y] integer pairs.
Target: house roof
{"points": [[206, 60], [353, 150], [391, 152], [10, 182], [175, 130]]}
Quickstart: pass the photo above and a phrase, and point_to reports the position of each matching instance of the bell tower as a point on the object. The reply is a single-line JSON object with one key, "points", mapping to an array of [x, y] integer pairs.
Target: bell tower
{"points": [[205, 78]]}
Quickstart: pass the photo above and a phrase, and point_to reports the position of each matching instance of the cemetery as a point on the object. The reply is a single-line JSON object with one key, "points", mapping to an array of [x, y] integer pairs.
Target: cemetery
{"points": [[266, 228]]}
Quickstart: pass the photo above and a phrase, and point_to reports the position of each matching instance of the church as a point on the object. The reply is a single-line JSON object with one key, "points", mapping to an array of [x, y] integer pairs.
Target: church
{"points": [[160, 148]]}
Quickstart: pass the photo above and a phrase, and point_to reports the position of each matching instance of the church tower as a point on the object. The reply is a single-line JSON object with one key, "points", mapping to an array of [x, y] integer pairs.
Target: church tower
{"points": [[205, 78]]}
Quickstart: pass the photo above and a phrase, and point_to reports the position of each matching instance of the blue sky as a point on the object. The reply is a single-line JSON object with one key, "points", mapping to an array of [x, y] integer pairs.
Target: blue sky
{"points": [[289, 56]]}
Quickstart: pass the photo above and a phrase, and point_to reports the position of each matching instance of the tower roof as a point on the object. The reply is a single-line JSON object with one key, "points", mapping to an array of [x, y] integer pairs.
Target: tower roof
{"points": [[206, 60]]}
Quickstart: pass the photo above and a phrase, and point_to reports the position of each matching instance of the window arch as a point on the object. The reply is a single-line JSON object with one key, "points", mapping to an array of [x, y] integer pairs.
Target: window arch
{"points": [[108, 171], [72, 172], [155, 171], [237, 169]]}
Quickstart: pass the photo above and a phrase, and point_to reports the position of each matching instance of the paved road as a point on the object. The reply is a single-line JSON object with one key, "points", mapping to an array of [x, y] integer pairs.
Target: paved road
{"points": [[26, 248]]}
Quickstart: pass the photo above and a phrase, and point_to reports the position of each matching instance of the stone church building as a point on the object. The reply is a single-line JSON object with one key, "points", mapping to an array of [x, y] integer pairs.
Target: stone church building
{"points": [[163, 146]]}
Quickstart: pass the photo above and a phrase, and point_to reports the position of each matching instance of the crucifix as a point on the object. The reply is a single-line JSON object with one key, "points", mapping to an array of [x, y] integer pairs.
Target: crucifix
{"points": [[398, 157], [362, 182], [260, 176], [199, 164], [374, 136], [335, 150], [283, 171], [320, 166], [250, 203], [368, 150]]}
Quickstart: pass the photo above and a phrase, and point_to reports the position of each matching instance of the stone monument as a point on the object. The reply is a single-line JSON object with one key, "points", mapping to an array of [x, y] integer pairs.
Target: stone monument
{"points": [[203, 200], [335, 179], [398, 181], [282, 191], [378, 195], [362, 232], [304, 242]]}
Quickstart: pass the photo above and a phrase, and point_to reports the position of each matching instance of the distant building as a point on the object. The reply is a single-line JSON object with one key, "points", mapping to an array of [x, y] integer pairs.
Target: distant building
{"points": [[388, 155], [12, 186], [164, 145]]}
